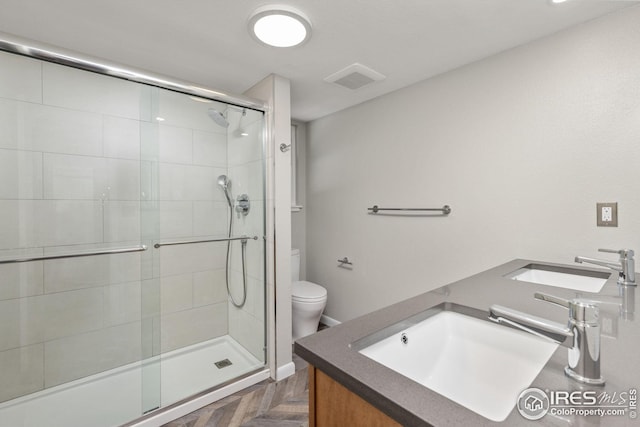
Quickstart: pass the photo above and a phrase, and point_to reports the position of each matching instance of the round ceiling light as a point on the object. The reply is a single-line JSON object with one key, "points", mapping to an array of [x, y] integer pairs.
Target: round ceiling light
{"points": [[279, 26]]}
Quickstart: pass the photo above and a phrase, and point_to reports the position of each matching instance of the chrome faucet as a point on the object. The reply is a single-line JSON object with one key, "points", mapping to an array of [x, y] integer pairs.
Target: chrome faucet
{"points": [[625, 266], [581, 335]]}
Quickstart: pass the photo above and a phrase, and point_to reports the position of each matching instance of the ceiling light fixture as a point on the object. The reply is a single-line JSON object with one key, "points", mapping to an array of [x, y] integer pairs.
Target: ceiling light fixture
{"points": [[279, 26]]}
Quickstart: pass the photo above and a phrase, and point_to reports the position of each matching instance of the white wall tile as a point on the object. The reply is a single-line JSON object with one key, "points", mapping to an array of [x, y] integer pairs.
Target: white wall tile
{"points": [[248, 178], [209, 287], [32, 320], [122, 303], [209, 148], [69, 222], [176, 293], [247, 330], [176, 219], [84, 272], [175, 144], [21, 280], [59, 130], [19, 226], [21, 78], [121, 221], [70, 313], [254, 254], [174, 181], [12, 114], [237, 288], [90, 178], [21, 371], [254, 303], [182, 182], [49, 129], [20, 175], [74, 177], [147, 260], [16, 329], [122, 179], [190, 258], [210, 218], [82, 355], [150, 222], [148, 181], [149, 146], [192, 326], [121, 138], [150, 298], [203, 183], [94, 92], [244, 149]]}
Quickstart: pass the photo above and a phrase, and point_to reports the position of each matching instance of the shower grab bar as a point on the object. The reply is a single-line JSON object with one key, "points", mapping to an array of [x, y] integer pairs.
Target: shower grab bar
{"points": [[188, 242], [76, 255], [446, 209]]}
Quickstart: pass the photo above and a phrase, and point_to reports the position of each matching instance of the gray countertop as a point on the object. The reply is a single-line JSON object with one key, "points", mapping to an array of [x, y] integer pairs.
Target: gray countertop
{"points": [[412, 404]]}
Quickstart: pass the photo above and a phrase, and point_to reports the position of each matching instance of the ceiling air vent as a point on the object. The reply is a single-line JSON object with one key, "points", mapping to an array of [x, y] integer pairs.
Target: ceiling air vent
{"points": [[355, 76]]}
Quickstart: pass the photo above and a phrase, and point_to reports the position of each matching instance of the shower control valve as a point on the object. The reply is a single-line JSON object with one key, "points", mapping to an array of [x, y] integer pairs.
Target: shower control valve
{"points": [[243, 205]]}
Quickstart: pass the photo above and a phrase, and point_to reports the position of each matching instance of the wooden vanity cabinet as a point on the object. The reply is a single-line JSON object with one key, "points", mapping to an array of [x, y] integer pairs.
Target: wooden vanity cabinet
{"points": [[332, 405]]}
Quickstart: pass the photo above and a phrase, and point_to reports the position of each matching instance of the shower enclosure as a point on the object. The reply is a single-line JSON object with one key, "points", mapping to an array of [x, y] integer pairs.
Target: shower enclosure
{"points": [[118, 268]]}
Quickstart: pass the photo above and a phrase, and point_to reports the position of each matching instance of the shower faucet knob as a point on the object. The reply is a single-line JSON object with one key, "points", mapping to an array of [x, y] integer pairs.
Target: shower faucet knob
{"points": [[244, 205]]}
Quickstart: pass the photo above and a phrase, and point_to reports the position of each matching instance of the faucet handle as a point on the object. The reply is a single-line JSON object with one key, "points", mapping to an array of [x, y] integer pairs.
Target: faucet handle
{"points": [[580, 310], [624, 253]]}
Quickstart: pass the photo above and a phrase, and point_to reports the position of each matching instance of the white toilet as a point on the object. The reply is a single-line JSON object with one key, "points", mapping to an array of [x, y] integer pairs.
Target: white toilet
{"points": [[308, 300]]}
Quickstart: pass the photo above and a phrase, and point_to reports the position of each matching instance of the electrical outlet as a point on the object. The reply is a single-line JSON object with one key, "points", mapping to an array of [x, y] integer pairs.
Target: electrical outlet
{"points": [[607, 214]]}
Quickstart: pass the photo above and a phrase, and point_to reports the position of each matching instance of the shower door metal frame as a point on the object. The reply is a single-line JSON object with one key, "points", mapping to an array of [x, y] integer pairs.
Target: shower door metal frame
{"points": [[37, 50]]}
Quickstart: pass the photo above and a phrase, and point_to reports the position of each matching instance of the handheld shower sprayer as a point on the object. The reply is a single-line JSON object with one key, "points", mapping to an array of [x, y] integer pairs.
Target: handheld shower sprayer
{"points": [[225, 184]]}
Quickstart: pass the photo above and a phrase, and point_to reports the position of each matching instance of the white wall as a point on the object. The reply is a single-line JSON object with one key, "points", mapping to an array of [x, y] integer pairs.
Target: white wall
{"points": [[275, 91], [522, 145], [299, 217]]}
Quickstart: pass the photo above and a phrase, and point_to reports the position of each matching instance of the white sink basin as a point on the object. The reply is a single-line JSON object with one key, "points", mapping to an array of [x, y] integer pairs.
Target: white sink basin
{"points": [[568, 278], [478, 364]]}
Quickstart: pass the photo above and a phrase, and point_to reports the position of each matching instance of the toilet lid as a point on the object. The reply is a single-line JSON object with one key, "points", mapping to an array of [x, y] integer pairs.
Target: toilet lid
{"points": [[307, 291]]}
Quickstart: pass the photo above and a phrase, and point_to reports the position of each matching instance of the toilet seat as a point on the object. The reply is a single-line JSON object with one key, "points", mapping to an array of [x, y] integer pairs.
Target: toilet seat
{"points": [[303, 291]]}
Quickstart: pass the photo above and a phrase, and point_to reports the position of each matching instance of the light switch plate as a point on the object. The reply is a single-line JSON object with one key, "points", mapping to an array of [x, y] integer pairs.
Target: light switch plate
{"points": [[607, 214]]}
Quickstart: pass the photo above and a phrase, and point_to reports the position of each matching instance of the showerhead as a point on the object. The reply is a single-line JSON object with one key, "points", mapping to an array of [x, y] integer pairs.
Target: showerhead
{"points": [[223, 181], [218, 117], [225, 184]]}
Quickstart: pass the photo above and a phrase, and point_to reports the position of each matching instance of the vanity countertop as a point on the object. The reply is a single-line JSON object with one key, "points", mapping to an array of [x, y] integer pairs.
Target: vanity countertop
{"points": [[412, 404]]}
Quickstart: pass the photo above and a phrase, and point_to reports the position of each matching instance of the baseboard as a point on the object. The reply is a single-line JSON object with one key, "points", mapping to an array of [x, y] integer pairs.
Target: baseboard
{"points": [[329, 321], [285, 371]]}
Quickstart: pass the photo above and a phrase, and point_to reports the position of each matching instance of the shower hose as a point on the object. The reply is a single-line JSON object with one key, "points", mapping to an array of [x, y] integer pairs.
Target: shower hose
{"points": [[228, 267]]}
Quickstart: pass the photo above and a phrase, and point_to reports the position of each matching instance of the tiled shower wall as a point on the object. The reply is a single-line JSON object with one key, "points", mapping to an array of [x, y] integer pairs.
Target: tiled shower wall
{"points": [[85, 163], [246, 170]]}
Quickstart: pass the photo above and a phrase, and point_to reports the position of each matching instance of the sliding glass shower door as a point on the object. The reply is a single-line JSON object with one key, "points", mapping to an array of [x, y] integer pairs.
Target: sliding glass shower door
{"points": [[208, 241], [103, 318]]}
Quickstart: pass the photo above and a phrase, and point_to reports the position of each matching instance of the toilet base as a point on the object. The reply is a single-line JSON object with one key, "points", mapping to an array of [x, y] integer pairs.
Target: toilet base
{"points": [[306, 318]]}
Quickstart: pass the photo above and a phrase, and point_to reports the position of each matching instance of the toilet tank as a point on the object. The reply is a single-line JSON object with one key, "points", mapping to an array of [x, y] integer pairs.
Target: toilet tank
{"points": [[295, 264]]}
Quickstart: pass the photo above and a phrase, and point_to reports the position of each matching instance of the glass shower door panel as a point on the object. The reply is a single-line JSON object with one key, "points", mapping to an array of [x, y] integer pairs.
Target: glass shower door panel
{"points": [[71, 327], [197, 197]]}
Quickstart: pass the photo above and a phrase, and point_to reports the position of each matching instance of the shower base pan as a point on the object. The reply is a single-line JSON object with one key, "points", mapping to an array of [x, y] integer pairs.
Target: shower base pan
{"points": [[118, 396]]}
